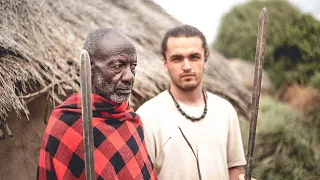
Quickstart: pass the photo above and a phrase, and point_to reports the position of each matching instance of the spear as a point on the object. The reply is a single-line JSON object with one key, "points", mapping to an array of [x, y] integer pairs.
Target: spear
{"points": [[85, 76], [259, 58]]}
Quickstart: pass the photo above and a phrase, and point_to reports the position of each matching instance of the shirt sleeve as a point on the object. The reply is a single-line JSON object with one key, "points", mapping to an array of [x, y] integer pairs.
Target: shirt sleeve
{"points": [[235, 152], [45, 169]]}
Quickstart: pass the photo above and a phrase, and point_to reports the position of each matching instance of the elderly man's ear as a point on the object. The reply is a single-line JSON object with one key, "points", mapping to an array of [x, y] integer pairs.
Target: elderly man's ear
{"points": [[92, 69]]}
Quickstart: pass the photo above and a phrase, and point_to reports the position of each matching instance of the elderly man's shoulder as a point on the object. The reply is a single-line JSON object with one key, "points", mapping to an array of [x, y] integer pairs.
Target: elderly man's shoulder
{"points": [[65, 116]]}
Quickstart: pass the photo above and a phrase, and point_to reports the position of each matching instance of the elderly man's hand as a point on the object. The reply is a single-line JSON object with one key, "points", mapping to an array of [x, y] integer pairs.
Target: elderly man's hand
{"points": [[241, 177]]}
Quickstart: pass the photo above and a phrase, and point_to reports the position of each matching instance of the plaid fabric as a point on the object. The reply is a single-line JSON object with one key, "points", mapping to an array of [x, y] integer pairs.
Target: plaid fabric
{"points": [[119, 148]]}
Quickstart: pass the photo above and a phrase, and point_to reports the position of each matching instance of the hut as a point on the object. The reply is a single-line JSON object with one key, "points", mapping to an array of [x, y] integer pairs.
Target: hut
{"points": [[40, 44], [244, 73]]}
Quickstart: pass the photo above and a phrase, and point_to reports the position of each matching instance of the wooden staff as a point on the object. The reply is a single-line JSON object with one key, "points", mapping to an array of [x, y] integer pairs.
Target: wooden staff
{"points": [[85, 76], [259, 59]]}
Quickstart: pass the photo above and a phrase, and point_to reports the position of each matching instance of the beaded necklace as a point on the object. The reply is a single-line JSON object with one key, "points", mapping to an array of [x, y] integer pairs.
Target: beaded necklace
{"points": [[192, 118]]}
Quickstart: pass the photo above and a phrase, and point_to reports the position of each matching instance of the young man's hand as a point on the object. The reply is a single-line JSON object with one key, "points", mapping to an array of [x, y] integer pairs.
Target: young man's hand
{"points": [[241, 177]]}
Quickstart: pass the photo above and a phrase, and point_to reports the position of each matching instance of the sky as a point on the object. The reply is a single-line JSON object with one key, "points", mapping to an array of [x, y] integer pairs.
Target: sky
{"points": [[206, 14]]}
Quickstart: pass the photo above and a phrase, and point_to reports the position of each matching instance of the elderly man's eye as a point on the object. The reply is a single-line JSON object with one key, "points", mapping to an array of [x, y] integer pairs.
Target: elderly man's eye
{"points": [[118, 66]]}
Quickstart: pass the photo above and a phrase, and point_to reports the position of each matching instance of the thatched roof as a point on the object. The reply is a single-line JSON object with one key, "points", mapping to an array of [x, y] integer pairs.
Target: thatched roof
{"points": [[244, 73], [40, 42]]}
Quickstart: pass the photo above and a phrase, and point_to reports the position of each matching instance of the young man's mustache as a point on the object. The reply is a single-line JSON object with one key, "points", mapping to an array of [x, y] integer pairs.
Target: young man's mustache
{"points": [[187, 74]]}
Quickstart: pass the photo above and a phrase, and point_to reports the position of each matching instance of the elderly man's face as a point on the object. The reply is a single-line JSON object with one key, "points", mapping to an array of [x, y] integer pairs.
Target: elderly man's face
{"points": [[114, 71]]}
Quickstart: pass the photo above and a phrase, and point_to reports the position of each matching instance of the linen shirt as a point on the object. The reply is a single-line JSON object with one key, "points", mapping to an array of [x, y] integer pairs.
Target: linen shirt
{"points": [[182, 149]]}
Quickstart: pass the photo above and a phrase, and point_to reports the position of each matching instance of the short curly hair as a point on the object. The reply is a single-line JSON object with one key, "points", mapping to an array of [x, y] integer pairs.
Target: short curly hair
{"points": [[91, 42]]}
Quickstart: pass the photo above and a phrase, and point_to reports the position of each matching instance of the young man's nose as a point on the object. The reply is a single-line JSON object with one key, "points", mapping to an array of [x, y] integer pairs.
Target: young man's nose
{"points": [[186, 64]]}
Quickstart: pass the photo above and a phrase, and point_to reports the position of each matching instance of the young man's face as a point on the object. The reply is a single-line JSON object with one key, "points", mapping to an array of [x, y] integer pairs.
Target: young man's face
{"points": [[113, 74], [185, 61]]}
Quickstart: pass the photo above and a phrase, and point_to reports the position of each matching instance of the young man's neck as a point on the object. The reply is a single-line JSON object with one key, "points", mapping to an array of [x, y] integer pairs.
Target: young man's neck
{"points": [[193, 97]]}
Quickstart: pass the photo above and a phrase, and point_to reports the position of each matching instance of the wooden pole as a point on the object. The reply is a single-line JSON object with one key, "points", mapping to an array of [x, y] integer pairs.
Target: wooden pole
{"points": [[85, 75], [259, 59]]}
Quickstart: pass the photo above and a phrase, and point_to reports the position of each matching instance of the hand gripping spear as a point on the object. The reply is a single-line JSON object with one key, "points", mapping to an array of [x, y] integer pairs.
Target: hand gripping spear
{"points": [[259, 58], [85, 76]]}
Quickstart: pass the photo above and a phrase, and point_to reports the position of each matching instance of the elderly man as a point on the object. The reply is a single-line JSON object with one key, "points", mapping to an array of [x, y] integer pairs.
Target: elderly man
{"points": [[119, 148]]}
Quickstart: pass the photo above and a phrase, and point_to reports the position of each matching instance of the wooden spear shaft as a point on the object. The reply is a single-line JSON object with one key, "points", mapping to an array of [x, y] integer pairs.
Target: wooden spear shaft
{"points": [[259, 59], [86, 90]]}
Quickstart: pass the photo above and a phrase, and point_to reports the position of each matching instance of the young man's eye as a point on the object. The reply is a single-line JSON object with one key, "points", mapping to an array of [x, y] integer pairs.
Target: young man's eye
{"points": [[176, 59], [195, 57]]}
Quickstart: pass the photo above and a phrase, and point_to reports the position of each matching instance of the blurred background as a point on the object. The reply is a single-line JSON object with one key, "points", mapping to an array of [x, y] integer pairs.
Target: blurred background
{"points": [[40, 43]]}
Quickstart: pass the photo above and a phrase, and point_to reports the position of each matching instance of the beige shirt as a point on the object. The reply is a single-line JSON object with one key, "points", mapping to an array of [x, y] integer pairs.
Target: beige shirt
{"points": [[176, 144]]}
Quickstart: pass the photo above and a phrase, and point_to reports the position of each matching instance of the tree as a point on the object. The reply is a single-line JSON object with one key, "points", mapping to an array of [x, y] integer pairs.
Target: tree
{"points": [[302, 50], [292, 49]]}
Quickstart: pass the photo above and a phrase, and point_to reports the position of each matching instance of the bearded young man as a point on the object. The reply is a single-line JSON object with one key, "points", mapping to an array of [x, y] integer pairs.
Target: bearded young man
{"points": [[190, 133], [119, 147]]}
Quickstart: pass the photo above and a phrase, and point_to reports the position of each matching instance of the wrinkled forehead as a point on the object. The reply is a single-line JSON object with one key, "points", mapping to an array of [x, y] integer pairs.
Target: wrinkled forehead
{"points": [[114, 43]]}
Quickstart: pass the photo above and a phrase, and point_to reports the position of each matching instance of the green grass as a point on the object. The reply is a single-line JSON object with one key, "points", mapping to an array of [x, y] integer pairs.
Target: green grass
{"points": [[287, 143]]}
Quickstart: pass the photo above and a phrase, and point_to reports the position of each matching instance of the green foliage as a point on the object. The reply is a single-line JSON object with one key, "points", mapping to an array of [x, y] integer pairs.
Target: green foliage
{"points": [[292, 48], [238, 30], [304, 44], [315, 80], [287, 143]]}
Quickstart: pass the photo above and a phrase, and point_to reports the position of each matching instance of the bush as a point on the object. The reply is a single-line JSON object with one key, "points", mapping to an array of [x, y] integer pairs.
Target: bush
{"points": [[301, 50], [292, 49], [287, 143], [315, 80]]}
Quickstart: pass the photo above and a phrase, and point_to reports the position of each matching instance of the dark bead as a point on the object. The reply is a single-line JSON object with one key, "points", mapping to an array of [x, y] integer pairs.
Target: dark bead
{"points": [[186, 115]]}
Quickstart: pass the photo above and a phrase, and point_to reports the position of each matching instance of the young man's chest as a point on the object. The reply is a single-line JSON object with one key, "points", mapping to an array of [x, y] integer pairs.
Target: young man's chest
{"points": [[181, 143]]}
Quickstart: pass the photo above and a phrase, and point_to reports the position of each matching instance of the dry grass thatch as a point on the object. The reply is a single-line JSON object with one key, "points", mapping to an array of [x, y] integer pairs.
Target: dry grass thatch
{"points": [[244, 73], [40, 42]]}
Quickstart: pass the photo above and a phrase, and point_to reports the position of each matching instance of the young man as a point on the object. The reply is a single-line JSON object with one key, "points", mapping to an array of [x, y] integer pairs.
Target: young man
{"points": [[119, 147], [190, 133]]}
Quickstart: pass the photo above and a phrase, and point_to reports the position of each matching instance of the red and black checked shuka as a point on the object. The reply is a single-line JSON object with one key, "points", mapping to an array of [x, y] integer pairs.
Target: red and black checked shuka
{"points": [[119, 148]]}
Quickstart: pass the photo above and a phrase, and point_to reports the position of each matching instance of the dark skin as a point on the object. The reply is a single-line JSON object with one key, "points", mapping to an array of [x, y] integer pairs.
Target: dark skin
{"points": [[113, 69]]}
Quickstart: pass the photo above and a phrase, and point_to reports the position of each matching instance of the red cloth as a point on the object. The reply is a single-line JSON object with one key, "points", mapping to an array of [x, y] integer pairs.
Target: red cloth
{"points": [[119, 148]]}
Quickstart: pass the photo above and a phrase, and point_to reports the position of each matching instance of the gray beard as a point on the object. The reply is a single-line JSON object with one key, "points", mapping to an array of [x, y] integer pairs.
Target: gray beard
{"points": [[107, 90]]}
